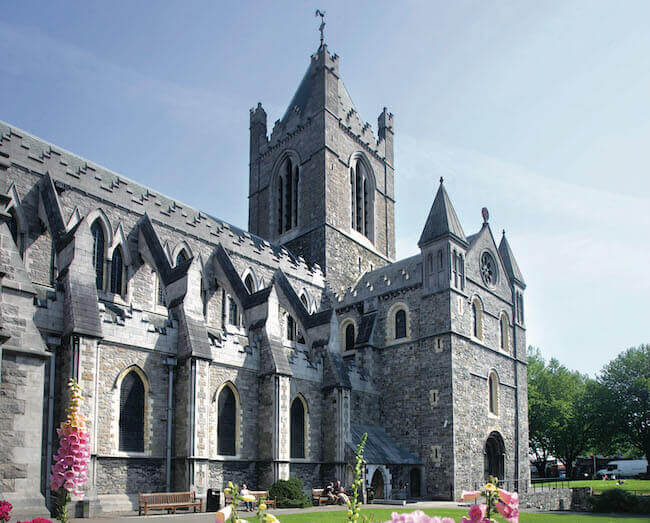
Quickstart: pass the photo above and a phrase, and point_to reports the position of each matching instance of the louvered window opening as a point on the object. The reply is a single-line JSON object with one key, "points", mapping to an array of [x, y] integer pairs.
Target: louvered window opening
{"points": [[361, 202], [288, 201], [132, 413], [297, 429], [227, 423]]}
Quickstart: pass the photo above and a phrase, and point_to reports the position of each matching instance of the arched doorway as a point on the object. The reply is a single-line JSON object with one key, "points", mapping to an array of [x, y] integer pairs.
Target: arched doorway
{"points": [[377, 484], [414, 483], [494, 456]]}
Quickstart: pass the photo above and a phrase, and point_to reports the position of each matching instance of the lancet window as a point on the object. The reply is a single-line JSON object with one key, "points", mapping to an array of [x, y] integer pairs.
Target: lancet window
{"points": [[288, 195], [361, 199], [99, 244], [132, 400]]}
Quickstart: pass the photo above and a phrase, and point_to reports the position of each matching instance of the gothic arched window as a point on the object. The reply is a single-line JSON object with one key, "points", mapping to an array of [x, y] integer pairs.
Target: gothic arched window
{"points": [[287, 194], [161, 299], [98, 253], [477, 319], [227, 422], [400, 324], [493, 392], [117, 271], [297, 428], [349, 337], [291, 328], [132, 413], [503, 329], [303, 299], [181, 257], [361, 199], [250, 284]]}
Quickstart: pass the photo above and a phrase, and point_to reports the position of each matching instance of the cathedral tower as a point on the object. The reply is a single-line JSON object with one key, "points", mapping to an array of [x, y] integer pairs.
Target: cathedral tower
{"points": [[322, 184]]}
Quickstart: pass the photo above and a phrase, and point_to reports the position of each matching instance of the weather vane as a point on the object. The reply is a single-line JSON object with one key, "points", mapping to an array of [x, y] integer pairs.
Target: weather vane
{"points": [[322, 25]]}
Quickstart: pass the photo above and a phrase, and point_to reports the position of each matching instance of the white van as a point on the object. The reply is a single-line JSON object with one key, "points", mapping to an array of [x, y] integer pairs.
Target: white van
{"points": [[624, 468]]}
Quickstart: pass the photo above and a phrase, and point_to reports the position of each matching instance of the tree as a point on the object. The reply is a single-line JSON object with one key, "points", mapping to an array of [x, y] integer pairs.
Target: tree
{"points": [[560, 405], [625, 390], [539, 410]]}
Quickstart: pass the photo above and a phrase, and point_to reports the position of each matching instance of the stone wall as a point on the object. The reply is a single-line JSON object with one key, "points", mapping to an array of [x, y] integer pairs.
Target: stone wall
{"points": [[130, 475], [552, 499]]}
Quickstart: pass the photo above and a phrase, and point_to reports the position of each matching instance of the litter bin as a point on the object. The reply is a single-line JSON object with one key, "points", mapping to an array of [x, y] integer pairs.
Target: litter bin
{"points": [[213, 501]]}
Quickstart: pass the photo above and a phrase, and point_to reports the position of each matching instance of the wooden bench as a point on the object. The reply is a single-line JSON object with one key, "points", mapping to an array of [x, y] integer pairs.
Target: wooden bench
{"points": [[168, 501], [317, 496], [257, 494]]}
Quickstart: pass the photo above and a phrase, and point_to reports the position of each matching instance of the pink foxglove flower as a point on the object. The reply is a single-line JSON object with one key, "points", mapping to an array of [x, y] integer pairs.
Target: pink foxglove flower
{"points": [[509, 512]]}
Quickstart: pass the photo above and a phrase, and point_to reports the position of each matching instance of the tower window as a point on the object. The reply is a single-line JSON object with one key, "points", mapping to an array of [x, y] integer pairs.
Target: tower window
{"points": [[461, 270], [455, 266], [361, 200], [132, 413], [117, 271], [98, 253], [477, 319], [288, 192], [227, 422], [503, 329], [440, 260]]}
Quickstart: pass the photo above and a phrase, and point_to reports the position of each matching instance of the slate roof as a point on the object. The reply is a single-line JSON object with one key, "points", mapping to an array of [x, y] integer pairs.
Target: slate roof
{"points": [[365, 328], [509, 262], [442, 220], [308, 98], [380, 448]]}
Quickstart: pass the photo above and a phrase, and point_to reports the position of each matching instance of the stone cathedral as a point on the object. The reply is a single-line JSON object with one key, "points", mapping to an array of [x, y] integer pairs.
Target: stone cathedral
{"points": [[207, 353]]}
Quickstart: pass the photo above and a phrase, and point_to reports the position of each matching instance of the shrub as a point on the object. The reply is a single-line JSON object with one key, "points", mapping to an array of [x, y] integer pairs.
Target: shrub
{"points": [[289, 494], [616, 500]]}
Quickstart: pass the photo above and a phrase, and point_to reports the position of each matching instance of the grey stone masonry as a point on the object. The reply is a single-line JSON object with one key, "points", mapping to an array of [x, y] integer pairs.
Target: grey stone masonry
{"points": [[209, 354]]}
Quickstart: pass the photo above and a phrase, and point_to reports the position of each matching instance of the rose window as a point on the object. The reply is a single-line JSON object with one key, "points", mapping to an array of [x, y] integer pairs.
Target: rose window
{"points": [[488, 269]]}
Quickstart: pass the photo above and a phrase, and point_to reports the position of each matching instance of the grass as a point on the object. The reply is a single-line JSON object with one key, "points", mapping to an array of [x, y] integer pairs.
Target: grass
{"points": [[384, 514], [640, 486]]}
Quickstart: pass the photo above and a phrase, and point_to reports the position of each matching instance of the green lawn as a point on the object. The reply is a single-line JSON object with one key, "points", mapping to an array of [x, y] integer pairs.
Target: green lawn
{"points": [[641, 486], [384, 514]]}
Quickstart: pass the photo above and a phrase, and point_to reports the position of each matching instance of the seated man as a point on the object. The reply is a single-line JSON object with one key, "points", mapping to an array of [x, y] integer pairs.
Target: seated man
{"points": [[341, 496]]}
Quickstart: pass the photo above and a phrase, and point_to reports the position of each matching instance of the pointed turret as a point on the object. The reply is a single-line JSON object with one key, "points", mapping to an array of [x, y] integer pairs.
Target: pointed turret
{"points": [[444, 246], [442, 220], [510, 263]]}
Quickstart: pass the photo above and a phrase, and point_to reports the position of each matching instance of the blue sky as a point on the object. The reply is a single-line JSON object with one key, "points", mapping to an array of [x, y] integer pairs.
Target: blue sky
{"points": [[539, 111]]}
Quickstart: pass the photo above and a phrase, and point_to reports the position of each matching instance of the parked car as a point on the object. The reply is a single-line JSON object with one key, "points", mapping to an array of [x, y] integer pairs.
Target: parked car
{"points": [[624, 468]]}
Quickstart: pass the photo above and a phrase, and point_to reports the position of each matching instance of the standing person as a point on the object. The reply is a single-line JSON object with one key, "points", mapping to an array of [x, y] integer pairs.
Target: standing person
{"points": [[245, 492]]}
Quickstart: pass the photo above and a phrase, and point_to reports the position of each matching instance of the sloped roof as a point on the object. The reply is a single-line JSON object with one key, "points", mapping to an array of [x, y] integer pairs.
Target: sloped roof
{"points": [[380, 448], [509, 262], [442, 220], [304, 99]]}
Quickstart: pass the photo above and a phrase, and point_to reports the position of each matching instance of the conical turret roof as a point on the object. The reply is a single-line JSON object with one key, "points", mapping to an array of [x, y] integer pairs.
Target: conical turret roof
{"points": [[509, 262], [442, 220]]}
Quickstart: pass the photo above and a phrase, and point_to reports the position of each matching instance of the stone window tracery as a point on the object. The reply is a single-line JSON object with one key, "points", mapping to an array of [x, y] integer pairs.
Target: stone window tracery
{"points": [[250, 284], [361, 199], [489, 271], [181, 257]]}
